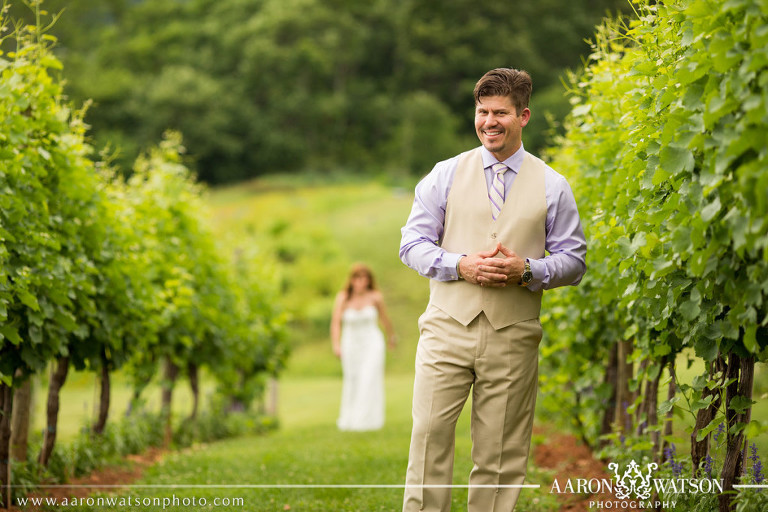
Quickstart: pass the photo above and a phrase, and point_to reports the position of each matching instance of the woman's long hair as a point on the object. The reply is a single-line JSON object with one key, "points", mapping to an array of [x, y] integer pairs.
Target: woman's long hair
{"points": [[357, 270]]}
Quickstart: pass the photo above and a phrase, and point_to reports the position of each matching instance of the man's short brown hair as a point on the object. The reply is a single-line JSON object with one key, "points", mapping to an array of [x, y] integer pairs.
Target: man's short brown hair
{"points": [[512, 83]]}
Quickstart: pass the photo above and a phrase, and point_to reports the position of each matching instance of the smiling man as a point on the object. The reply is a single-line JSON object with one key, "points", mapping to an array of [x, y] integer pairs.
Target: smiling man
{"points": [[491, 228]]}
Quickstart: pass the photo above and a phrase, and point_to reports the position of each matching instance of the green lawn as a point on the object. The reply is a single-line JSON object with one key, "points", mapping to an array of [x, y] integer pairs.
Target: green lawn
{"points": [[308, 449]]}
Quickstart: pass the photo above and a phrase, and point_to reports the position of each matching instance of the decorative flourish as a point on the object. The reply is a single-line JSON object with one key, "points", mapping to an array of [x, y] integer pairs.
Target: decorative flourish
{"points": [[633, 481]]}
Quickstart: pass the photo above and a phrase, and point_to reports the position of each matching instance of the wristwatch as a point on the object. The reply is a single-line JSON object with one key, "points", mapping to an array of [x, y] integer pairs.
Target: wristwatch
{"points": [[527, 276]]}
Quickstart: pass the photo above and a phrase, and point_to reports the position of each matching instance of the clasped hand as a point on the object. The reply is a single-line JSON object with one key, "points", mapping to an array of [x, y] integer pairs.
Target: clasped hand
{"points": [[488, 269]]}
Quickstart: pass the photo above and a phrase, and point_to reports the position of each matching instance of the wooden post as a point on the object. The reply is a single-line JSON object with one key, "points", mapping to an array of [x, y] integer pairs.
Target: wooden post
{"points": [[668, 420], [611, 378], [6, 407], [169, 380], [58, 378], [22, 404], [623, 395], [743, 370], [104, 398], [194, 383]]}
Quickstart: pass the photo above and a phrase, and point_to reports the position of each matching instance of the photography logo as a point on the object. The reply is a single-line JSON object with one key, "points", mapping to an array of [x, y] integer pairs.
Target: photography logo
{"points": [[632, 484], [635, 488]]}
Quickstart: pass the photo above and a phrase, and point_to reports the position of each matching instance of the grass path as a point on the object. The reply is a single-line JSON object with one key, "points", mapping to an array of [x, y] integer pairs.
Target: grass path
{"points": [[307, 449]]}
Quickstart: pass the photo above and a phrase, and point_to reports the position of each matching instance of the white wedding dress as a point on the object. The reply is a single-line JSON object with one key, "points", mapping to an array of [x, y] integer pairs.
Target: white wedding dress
{"points": [[362, 361]]}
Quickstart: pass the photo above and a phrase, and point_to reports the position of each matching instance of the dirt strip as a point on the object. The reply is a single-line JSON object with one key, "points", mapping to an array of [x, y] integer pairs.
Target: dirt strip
{"points": [[117, 475], [571, 459]]}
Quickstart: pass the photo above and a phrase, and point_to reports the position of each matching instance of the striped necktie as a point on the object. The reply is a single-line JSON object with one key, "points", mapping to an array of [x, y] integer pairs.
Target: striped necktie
{"points": [[496, 192]]}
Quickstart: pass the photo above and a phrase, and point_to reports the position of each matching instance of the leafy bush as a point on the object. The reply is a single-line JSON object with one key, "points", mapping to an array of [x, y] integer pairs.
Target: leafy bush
{"points": [[214, 426], [665, 147]]}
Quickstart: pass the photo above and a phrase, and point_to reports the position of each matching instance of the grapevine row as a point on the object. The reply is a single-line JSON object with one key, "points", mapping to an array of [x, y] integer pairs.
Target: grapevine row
{"points": [[102, 272], [666, 146]]}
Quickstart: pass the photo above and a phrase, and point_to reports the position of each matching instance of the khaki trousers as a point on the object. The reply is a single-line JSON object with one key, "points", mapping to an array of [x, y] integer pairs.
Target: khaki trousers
{"points": [[501, 369]]}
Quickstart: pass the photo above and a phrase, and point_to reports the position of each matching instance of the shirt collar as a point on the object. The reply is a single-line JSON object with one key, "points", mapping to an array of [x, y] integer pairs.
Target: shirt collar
{"points": [[514, 162]]}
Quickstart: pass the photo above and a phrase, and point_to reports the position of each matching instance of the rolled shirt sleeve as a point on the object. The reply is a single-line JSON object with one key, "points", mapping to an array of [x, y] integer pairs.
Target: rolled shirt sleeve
{"points": [[422, 232], [566, 262]]}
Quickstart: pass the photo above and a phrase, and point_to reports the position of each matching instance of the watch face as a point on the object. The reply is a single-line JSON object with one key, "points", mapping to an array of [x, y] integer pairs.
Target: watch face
{"points": [[527, 276]]}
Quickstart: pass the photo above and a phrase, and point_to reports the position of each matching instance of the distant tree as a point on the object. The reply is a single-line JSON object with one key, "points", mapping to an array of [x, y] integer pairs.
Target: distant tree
{"points": [[258, 86]]}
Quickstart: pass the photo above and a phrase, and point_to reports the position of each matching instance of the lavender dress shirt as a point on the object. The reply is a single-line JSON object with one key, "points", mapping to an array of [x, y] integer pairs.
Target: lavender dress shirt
{"points": [[564, 265]]}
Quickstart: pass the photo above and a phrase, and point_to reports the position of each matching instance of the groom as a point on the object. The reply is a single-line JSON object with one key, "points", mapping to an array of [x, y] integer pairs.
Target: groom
{"points": [[480, 228]]}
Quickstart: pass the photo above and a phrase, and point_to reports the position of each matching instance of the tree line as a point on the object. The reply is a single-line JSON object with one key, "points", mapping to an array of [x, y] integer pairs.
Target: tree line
{"points": [[258, 86], [100, 272], [666, 148]]}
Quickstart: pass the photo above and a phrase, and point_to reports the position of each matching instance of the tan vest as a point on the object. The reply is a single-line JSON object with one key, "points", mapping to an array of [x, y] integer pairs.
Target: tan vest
{"points": [[470, 228]]}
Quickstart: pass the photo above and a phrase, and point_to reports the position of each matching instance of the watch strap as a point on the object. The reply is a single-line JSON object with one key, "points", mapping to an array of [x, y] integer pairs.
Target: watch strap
{"points": [[458, 272], [527, 276]]}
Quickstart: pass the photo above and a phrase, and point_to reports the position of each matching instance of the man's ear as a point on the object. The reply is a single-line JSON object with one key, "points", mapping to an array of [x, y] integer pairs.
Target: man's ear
{"points": [[525, 116]]}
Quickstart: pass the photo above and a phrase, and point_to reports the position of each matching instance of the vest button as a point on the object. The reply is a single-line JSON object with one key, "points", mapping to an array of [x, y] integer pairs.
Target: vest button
{"points": [[493, 236]]}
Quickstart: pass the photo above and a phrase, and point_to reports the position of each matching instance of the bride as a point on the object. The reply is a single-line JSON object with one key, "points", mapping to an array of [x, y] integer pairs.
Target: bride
{"points": [[359, 342]]}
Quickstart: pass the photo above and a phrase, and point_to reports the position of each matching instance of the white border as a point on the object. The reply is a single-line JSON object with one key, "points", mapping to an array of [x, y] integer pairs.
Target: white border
{"points": [[282, 486]]}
